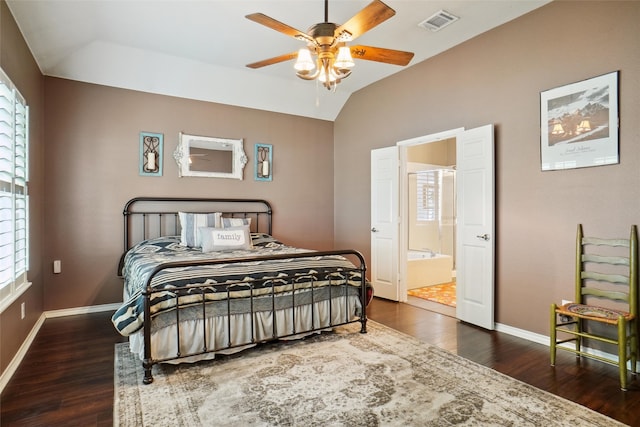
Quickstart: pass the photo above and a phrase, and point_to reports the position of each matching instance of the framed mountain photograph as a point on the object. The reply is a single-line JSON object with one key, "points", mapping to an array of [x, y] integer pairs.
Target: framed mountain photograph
{"points": [[579, 124]]}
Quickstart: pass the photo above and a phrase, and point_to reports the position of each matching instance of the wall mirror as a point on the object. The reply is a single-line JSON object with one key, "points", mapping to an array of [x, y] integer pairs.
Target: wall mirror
{"points": [[210, 157]]}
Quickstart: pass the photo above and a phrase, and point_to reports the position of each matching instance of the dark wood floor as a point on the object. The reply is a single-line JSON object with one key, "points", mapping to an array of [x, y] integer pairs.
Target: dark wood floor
{"points": [[66, 379]]}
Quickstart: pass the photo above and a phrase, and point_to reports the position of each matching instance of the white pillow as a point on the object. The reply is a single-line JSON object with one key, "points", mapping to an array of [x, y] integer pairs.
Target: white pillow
{"points": [[223, 239], [190, 224], [235, 222]]}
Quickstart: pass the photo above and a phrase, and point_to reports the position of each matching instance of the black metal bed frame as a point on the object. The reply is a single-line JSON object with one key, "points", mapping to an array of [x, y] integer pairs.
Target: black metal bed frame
{"points": [[156, 217]]}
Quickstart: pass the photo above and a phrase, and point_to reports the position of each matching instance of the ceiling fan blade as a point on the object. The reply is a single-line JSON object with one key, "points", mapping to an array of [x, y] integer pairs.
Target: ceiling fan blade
{"points": [[379, 54], [373, 14], [263, 19], [274, 60]]}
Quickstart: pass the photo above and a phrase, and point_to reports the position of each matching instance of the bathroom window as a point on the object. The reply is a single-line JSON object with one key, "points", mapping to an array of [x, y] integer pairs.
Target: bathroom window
{"points": [[428, 187]]}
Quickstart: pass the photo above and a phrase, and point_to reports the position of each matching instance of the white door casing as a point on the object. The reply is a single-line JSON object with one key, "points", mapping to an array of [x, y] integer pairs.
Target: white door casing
{"points": [[384, 222], [475, 243], [476, 227]]}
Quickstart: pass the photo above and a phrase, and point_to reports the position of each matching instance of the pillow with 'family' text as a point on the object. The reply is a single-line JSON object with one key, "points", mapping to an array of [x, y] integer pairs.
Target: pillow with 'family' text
{"points": [[225, 239], [190, 224]]}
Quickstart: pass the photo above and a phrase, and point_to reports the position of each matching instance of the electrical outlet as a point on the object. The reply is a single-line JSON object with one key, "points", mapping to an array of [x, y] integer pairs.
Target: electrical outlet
{"points": [[565, 318], [23, 311]]}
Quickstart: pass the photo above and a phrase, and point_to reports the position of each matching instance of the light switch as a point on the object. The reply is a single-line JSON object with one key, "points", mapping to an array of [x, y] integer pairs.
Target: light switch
{"points": [[57, 266]]}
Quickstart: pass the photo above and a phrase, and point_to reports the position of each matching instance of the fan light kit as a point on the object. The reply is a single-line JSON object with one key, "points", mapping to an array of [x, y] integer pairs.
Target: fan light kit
{"points": [[327, 58]]}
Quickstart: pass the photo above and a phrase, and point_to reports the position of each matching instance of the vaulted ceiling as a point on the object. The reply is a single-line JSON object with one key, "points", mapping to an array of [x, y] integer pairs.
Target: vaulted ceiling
{"points": [[199, 49]]}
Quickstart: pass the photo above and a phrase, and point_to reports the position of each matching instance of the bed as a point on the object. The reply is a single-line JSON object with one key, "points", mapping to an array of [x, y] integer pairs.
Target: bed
{"points": [[206, 276]]}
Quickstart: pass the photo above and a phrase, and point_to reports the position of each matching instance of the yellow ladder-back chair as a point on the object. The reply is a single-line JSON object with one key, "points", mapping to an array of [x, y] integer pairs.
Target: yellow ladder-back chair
{"points": [[603, 273]]}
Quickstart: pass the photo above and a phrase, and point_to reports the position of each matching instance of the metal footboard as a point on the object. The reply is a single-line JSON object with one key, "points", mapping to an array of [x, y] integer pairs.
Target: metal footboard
{"points": [[341, 291]]}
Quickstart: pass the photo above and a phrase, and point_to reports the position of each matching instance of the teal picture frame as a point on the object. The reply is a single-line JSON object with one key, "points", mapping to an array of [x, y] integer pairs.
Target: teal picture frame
{"points": [[151, 157], [263, 162]]}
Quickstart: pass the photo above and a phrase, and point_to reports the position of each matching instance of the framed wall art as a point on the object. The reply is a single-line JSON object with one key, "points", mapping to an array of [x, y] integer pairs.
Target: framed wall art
{"points": [[579, 124], [151, 154], [264, 162]]}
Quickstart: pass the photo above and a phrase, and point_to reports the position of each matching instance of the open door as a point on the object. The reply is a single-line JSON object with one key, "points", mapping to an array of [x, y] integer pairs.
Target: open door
{"points": [[475, 242], [476, 227], [384, 222]]}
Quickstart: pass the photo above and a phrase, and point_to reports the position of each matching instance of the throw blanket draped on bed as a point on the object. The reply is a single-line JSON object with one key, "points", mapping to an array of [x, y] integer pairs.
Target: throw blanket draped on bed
{"points": [[226, 280]]}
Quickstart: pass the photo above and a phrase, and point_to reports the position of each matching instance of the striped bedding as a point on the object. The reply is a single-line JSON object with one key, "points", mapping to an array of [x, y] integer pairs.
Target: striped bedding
{"points": [[221, 281]]}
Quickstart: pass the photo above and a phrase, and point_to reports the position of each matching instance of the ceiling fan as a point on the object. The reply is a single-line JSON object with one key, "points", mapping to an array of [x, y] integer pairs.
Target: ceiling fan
{"points": [[327, 57]]}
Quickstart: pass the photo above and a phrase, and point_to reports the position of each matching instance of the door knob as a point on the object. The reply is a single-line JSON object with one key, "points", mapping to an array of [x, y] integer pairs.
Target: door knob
{"points": [[484, 237], [374, 230]]}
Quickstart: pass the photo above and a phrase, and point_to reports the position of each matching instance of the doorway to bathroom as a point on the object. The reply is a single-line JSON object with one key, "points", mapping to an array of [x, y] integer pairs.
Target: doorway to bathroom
{"points": [[474, 221], [431, 231]]}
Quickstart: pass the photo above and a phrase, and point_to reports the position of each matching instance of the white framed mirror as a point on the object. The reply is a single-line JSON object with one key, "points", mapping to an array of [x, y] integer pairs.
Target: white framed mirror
{"points": [[210, 157]]}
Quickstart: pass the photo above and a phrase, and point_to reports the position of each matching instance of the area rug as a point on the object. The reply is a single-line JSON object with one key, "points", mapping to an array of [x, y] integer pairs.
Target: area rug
{"points": [[340, 378], [444, 293]]}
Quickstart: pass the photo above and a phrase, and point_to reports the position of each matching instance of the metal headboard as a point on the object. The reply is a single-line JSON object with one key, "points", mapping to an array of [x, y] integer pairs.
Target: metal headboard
{"points": [[149, 217]]}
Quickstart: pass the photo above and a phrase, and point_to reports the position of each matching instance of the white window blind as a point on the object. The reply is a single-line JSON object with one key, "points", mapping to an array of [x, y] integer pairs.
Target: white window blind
{"points": [[14, 201], [428, 186]]}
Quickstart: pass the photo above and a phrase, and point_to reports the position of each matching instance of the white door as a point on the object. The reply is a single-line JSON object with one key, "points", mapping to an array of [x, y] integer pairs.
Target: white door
{"points": [[476, 227], [384, 222]]}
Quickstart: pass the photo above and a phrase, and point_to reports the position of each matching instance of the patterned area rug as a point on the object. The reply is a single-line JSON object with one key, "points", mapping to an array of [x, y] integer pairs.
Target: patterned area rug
{"points": [[344, 378], [443, 294]]}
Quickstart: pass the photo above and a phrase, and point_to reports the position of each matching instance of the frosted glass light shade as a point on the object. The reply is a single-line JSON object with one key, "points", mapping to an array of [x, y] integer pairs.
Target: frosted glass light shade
{"points": [[344, 59], [304, 61]]}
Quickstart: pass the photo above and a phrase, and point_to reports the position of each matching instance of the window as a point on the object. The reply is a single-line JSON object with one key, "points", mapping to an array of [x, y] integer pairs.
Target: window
{"points": [[14, 201], [428, 186]]}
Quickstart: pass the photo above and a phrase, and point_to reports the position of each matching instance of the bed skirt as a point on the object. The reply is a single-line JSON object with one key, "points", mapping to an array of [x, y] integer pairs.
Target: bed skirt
{"points": [[224, 338]]}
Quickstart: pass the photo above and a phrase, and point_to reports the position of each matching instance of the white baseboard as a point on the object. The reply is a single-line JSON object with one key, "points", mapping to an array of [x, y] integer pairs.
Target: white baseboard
{"points": [[521, 333], [81, 310], [22, 351]]}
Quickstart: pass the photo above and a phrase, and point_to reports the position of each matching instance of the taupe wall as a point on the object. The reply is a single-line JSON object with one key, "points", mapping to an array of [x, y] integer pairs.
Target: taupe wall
{"points": [[18, 63], [497, 78], [92, 170], [91, 158]]}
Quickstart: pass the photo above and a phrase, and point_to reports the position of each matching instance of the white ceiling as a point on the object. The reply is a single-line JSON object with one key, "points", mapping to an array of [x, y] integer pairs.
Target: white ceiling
{"points": [[199, 49]]}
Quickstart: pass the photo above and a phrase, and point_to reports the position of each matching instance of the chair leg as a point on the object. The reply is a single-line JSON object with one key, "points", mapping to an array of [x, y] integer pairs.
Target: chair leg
{"points": [[553, 342], [579, 328], [633, 345], [622, 352]]}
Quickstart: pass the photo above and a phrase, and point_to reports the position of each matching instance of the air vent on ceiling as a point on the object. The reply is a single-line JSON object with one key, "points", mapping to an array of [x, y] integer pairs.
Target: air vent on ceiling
{"points": [[438, 21]]}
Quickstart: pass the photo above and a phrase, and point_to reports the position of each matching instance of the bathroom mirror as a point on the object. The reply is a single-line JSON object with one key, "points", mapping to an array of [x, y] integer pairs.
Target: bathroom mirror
{"points": [[210, 157]]}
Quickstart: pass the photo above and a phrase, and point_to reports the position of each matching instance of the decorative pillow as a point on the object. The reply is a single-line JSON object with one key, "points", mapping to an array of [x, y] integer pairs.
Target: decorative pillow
{"points": [[235, 222], [264, 240], [224, 239], [190, 224]]}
